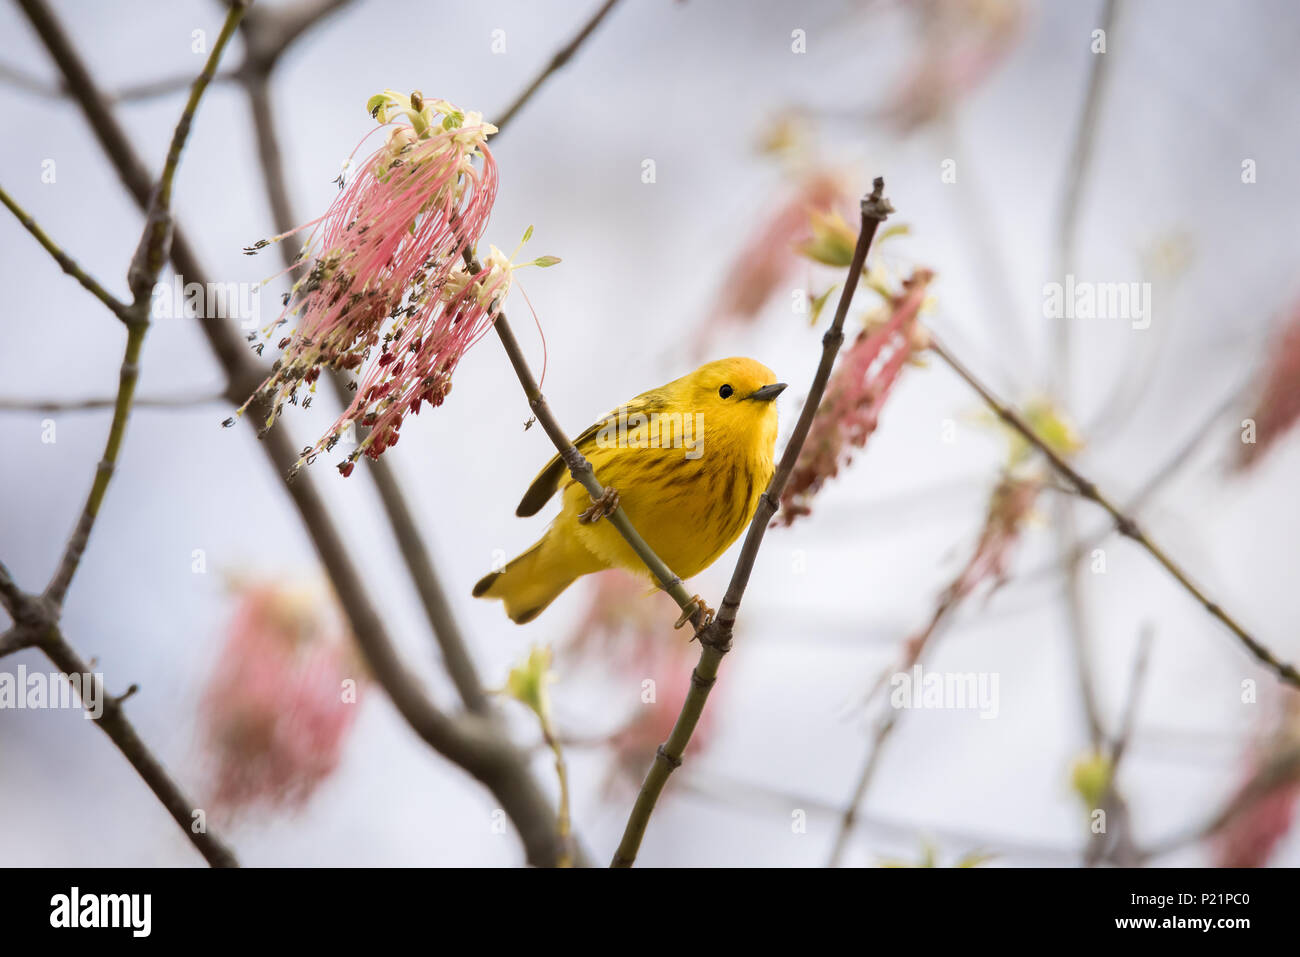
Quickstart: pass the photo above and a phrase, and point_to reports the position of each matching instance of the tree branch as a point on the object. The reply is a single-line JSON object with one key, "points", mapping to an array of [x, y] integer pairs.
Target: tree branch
{"points": [[561, 57], [66, 262], [113, 722], [90, 405], [36, 625], [1124, 523], [145, 266], [715, 639]]}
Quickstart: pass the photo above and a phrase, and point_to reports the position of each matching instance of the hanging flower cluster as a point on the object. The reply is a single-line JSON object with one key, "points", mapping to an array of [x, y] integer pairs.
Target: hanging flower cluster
{"points": [[855, 396], [388, 289]]}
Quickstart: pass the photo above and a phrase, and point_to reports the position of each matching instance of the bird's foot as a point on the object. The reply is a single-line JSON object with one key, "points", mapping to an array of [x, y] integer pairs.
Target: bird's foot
{"points": [[697, 604], [605, 505]]}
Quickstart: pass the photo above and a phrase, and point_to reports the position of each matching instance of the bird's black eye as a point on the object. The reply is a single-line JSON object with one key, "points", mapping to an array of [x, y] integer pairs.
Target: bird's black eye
{"points": [[726, 391]]}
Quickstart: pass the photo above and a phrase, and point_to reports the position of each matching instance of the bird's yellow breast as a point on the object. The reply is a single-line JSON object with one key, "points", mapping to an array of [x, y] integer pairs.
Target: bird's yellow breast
{"points": [[690, 499]]}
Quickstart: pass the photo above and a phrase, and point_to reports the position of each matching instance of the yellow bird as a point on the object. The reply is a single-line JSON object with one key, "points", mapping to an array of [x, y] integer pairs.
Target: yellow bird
{"points": [[688, 460]]}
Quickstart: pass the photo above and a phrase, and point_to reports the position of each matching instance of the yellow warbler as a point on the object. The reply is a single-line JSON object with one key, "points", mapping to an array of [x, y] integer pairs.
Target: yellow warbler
{"points": [[688, 460]]}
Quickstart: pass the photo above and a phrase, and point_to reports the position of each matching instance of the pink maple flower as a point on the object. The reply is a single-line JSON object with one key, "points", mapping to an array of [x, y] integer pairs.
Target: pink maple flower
{"points": [[855, 396], [625, 627], [962, 44], [1263, 810], [1278, 408], [634, 744], [388, 284], [278, 707], [771, 256]]}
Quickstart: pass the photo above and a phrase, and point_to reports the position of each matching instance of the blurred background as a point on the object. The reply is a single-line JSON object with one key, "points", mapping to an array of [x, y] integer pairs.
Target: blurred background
{"points": [[1179, 147]]}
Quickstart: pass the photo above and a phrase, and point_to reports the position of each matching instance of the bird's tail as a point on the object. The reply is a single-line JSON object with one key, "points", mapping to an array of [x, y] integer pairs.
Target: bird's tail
{"points": [[537, 577]]}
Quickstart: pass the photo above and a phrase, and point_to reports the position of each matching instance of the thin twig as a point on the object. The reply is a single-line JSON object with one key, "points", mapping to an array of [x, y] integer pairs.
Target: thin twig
{"points": [[1124, 523], [747, 795], [66, 262], [715, 639], [113, 722], [1076, 174], [917, 647], [561, 57], [1117, 842], [1065, 522], [146, 264], [1162, 474], [178, 402], [36, 625], [148, 90]]}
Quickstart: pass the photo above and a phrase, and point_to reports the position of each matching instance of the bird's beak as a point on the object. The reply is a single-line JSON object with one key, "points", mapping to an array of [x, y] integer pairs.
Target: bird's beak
{"points": [[767, 393]]}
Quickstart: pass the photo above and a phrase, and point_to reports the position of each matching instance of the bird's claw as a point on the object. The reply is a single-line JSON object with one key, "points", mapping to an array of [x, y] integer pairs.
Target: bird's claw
{"points": [[697, 604], [605, 505]]}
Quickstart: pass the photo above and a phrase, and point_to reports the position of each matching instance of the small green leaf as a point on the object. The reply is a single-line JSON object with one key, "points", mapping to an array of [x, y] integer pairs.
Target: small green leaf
{"points": [[819, 303], [833, 240], [527, 682], [898, 229], [545, 261]]}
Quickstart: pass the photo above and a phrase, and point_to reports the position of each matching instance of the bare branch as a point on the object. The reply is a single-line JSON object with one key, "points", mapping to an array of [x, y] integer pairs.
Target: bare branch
{"points": [[114, 723], [66, 262], [561, 57], [1124, 523], [146, 264], [178, 402]]}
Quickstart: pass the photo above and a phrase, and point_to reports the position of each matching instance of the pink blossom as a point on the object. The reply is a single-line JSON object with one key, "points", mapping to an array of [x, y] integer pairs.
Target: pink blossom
{"points": [[635, 743], [624, 627], [962, 44], [1278, 407], [387, 284], [770, 257], [855, 396], [1263, 810], [276, 710]]}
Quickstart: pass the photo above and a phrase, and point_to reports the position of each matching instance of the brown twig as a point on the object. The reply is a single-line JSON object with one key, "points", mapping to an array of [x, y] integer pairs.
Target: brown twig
{"points": [[561, 57], [91, 405], [916, 649], [1124, 523], [715, 639], [114, 723], [66, 262], [1065, 523], [1116, 842], [146, 264]]}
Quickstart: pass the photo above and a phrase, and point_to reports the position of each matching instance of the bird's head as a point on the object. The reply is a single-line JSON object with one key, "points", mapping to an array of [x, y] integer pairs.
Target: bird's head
{"points": [[735, 396]]}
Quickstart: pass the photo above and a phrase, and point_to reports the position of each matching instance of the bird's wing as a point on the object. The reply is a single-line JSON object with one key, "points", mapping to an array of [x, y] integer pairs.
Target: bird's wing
{"points": [[549, 478]]}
